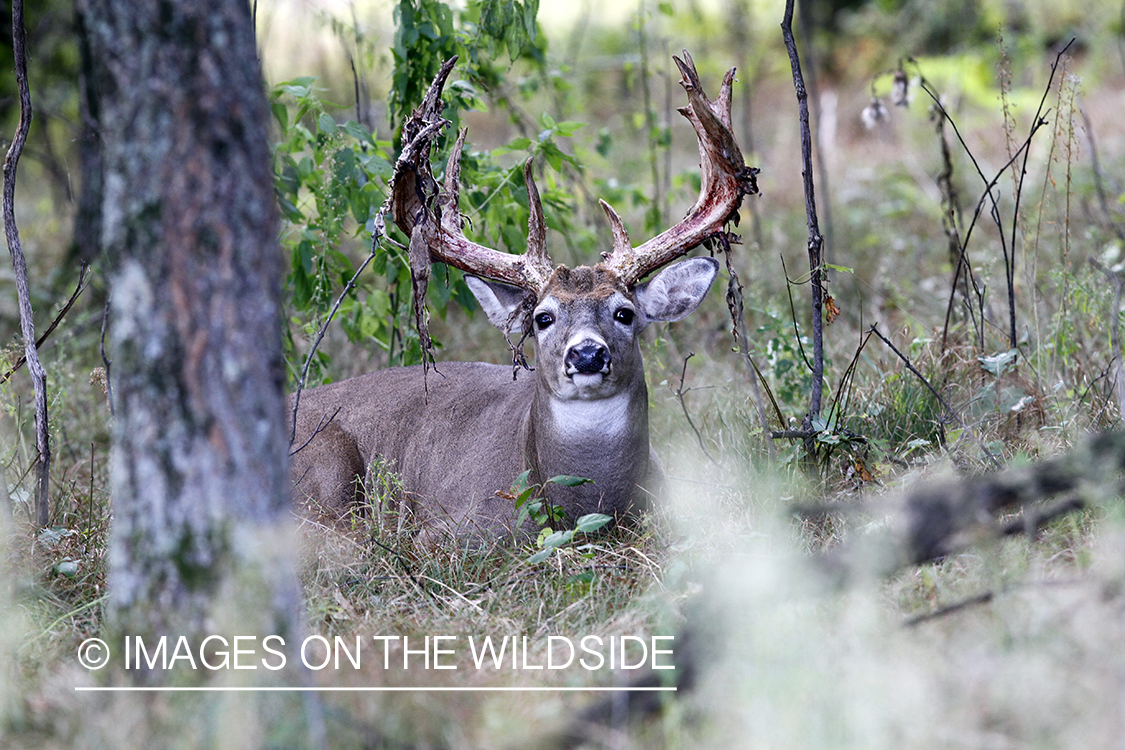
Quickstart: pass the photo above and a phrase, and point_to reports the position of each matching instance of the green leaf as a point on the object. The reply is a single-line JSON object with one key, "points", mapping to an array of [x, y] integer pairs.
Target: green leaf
{"points": [[530, 11], [344, 164], [522, 482], [999, 363], [519, 144], [357, 131], [376, 166], [567, 128], [592, 522], [298, 88], [281, 114], [557, 539], [569, 481], [325, 124], [379, 302], [67, 567]]}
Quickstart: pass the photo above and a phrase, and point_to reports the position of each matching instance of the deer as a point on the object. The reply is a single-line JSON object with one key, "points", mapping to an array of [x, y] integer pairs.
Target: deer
{"points": [[458, 438]]}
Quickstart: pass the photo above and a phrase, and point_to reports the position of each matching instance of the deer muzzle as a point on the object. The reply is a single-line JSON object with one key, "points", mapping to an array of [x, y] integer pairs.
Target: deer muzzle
{"points": [[587, 358]]}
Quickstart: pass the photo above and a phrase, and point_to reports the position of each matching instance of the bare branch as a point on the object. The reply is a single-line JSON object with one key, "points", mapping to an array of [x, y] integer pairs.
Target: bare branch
{"points": [[680, 391], [815, 239], [324, 327], [19, 264], [83, 281]]}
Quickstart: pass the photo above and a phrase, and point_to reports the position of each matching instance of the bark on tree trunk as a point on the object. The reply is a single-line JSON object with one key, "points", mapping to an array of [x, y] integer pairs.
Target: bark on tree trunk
{"points": [[190, 228]]}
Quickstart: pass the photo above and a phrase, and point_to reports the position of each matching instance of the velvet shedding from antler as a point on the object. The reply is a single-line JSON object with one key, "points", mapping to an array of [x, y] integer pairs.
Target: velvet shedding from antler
{"points": [[431, 215]]}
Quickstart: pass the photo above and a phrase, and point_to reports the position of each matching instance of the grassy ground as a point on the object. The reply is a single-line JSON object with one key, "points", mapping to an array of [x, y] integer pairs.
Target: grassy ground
{"points": [[1016, 643]]}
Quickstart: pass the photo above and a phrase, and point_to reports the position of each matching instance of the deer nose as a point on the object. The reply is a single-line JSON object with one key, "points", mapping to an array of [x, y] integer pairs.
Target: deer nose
{"points": [[587, 358]]}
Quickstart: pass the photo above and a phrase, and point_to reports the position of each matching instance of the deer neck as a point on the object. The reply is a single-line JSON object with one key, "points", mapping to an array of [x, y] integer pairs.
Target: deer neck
{"points": [[605, 440]]}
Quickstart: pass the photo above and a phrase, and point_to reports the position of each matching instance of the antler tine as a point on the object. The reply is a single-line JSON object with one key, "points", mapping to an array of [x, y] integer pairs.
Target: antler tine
{"points": [[725, 180], [414, 193], [621, 244], [536, 227]]}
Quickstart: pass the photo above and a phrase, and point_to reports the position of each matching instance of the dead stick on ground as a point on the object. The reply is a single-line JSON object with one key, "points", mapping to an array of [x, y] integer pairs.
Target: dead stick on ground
{"points": [[19, 264]]}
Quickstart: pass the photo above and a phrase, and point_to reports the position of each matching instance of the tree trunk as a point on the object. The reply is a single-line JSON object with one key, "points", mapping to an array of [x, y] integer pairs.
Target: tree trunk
{"points": [[199, 469]]}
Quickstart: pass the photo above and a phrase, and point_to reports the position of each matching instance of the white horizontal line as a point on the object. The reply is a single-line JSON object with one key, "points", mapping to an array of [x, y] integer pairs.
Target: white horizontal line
{"points": [[375, 689]]}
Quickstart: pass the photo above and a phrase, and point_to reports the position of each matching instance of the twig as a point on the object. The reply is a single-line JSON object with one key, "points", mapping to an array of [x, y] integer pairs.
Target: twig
{"points": [[19, 264], [951, 217], [83, 282], [683, 405], [1037, 122], [90, 497], [805, 22], [956, 417], [738, 323], [982, 598], [815, 240], [789, 284], [320, 426], [1115, 331], [1032, 522], [106, 361], [375, 237], [842, 397]]}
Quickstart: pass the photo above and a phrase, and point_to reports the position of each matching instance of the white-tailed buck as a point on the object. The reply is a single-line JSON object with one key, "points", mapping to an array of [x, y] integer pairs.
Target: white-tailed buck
{"points": [[459, 438]]}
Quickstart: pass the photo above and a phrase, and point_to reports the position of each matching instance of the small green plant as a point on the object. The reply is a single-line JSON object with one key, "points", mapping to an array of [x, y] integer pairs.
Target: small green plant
{"points": [[543, 513]]}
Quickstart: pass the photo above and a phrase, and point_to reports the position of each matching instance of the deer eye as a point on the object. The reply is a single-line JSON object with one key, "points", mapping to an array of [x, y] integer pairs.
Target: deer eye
{"points": [[544, 320], [624, 316]]}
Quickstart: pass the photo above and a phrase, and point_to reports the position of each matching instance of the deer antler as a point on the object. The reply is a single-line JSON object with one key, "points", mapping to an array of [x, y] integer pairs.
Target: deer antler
{"points": [[725, 180], [418, 205]]}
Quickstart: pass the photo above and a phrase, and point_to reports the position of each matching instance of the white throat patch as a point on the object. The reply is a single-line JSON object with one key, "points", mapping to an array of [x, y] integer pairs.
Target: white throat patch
{"points": [[577, 418]]}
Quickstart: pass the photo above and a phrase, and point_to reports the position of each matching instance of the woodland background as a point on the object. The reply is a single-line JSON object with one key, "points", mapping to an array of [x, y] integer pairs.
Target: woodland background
{"points": [[1014, 641]]}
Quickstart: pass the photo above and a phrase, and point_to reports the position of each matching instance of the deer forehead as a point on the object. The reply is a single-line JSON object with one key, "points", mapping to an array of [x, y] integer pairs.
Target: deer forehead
{"points": [[569, 284]]}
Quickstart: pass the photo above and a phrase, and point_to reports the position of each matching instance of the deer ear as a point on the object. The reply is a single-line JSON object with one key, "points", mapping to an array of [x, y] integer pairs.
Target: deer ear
{"points": [[677, 290], [498, 301]]}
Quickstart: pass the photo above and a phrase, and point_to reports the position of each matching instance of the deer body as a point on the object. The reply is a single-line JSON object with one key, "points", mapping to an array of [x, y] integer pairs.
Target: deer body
{"points": [[459, 438]]}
